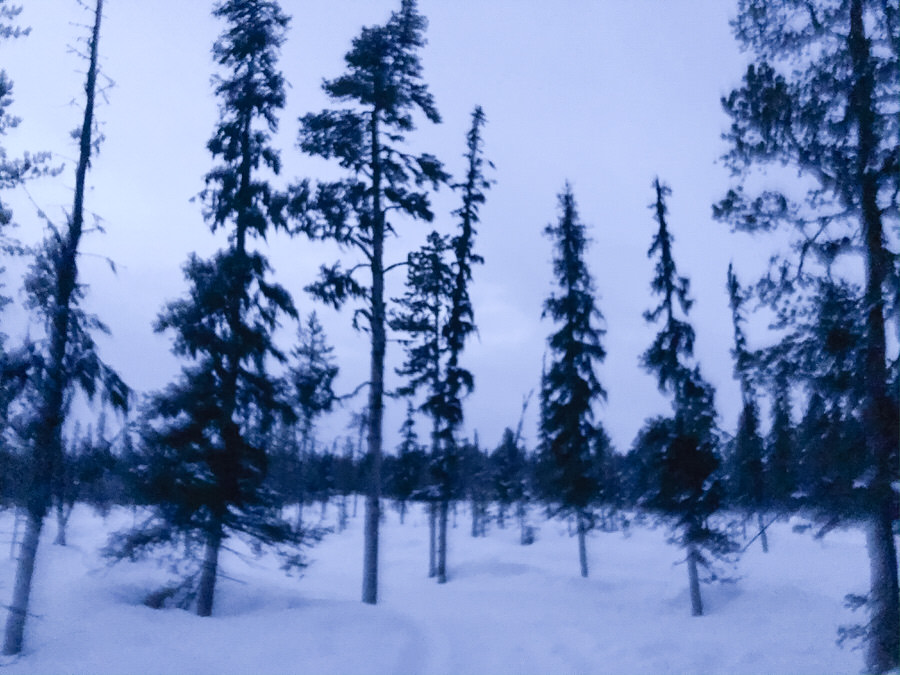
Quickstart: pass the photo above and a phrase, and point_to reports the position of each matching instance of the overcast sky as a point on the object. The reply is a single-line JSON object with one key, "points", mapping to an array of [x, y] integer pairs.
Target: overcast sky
{"points": [[604, 94]]}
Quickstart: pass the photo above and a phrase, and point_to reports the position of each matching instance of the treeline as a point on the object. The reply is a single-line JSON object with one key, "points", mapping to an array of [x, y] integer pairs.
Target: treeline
{"points": [[229, 447]]}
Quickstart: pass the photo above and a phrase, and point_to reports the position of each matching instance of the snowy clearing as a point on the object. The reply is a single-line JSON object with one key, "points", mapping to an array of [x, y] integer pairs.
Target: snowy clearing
{"points": [[506, 608]]}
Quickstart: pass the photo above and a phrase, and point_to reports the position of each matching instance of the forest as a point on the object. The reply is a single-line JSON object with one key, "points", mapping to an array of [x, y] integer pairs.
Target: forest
{"points": [[238, 450]]}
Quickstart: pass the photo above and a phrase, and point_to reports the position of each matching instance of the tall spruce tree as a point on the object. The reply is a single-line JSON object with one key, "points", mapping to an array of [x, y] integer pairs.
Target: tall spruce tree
{"points": [[747, 461], [384, 87], [680, 453], [66, 360], [311, 377], [206, 462], [422, 314], [570, 387], [820, 96]]}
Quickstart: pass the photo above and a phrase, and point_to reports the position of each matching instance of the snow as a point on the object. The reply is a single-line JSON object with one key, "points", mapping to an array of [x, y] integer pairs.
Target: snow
{"points": [[506, 608]]}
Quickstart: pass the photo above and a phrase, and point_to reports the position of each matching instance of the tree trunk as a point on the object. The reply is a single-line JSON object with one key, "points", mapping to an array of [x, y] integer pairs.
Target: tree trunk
{"points": [[693, 556], [883, 652], [884, 632], [207, 586], [475, 517], [18, 610], [432, 539], [62, 519], [376, 388], [582, 548], [763, 537], [48, 439], [442, 543]]}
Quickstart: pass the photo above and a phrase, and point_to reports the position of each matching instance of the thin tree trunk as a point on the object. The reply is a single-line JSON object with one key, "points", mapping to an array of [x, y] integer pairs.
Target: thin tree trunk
{"points": [[432, 539], [763, 537], [402, 511], [442, 543], [62, 519], [48, 439], [18, 610], [15, 535], [694, 579], [883, 648], [207, 585], [475, 516], [376, 388], [582, 547]]}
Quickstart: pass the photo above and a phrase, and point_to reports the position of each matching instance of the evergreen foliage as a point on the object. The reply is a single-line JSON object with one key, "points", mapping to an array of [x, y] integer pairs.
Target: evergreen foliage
{"points": [[570, 387], [679, 455], [820, 96], [205, 462], [384, 87]]}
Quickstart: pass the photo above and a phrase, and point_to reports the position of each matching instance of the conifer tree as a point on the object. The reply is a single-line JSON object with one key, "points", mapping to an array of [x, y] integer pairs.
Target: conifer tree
{"points": [[311, 377], [680, 453], [820, 96], [570, 387], [206, 462], [66, 360], [383, 87], [747, 460], [410, 462]]}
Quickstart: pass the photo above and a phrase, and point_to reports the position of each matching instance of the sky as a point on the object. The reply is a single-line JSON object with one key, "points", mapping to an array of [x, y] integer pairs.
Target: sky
{"points": [[604, 94]]}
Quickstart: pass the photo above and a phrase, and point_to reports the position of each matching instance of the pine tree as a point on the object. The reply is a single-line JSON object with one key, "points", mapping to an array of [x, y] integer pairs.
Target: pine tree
{"points": [[679, 454], [820, 96], [570, 387], [747, 460], [203, 434], [67, 360], [384, 85]]}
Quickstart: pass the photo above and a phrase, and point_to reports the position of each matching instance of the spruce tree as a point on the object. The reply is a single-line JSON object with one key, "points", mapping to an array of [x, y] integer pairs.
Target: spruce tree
{"points": [[747, 470], [384, 87], [411, 461], [206, 462], [820, 96], [66, 360], [570, 387], [680, 453]]}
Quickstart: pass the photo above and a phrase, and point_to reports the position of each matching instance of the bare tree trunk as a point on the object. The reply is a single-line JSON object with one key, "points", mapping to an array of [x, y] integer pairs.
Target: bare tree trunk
{"points": [[432, 539], [376, 388], [475, 517], [881, 648], [62, 519], [402, 511], [442, 543], [18, 610], [694, 580], [207, 585], [582, 548], [763, 537]]}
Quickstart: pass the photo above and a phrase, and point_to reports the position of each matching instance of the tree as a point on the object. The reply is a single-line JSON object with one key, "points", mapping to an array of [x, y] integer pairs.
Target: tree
{"points": [[820, 97], [747, 460], [66, 360], [203, 433], [411, 461], [679, 454], [384, 85], [311, 377], [570, 387]]}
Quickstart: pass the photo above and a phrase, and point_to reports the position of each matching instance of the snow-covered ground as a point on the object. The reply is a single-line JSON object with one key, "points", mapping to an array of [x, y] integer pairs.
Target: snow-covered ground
{"points": [[506, 608]]}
